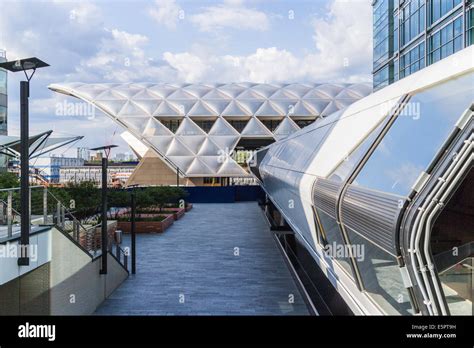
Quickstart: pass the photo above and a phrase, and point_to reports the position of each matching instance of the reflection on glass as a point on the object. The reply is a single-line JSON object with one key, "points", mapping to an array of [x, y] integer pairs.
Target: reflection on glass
{"points": [[344, 170], [334, 240], [381, 277], [3, 120], [458, 287], [452, 246], [416, 136], [3, 82]]}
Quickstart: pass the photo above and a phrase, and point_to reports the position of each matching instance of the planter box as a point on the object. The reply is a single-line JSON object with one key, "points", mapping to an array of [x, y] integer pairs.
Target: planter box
{"points": [[146, 226], [178, 213]]}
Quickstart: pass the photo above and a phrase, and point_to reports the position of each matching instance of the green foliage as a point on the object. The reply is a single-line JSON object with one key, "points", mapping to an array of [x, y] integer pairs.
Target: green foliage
{"points": [[86, 198], [160, 196], [9, 180]]}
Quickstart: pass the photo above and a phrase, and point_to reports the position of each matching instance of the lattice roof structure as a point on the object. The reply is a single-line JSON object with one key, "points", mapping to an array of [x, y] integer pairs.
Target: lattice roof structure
{"points": [[194, 127]]}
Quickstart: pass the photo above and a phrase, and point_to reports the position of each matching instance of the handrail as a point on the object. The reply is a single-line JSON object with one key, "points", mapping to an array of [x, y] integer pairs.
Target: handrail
{"points": [[49, 211], [19, 188], [66, 209]]}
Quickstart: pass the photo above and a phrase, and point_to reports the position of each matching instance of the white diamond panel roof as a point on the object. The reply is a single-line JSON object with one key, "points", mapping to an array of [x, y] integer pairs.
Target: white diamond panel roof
{"points": [[145, 109]]}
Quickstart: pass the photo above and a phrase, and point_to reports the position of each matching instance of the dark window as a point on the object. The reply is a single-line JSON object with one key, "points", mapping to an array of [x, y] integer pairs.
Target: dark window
{"points": [[205, 125], [172, 125], [303, 123], [271, 124], [239, 125]]}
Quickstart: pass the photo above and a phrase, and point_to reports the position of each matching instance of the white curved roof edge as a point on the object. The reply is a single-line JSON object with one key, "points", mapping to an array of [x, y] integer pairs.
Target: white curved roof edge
{"points": [[136, 145]]}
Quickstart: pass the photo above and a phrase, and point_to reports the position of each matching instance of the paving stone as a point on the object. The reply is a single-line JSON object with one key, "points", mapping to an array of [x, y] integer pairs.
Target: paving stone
{"points": [[195, 258]]}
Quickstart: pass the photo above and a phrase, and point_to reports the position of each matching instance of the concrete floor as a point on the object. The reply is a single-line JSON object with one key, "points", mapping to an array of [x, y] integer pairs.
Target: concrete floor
{"points": [[192, 269]]}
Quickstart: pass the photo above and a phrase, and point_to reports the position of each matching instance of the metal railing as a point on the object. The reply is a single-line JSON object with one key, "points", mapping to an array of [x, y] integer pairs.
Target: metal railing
{"points": [[48, 209], [45, 209]]}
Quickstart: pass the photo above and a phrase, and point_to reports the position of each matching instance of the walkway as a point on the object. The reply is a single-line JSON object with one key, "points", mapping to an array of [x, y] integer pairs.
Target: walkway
{"points": [[191, 269]]}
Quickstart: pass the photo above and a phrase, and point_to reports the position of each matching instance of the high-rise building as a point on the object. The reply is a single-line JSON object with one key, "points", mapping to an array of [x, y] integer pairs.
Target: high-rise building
{"points": [[83, 153], [412, 34]]}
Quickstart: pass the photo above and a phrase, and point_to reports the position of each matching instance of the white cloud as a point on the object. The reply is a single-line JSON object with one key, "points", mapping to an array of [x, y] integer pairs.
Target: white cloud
{"points": [[166, 12], [230, 16], [189, 67], [343, 40], [343, 52], [72, 37]]}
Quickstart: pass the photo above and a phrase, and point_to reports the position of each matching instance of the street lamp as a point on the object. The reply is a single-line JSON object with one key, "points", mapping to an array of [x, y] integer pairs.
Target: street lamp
{"points": [[16, 66], [104, 239]]}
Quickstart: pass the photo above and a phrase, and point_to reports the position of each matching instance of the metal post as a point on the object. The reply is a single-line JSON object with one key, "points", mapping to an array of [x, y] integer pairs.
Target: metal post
{"points": [[58, 214], [117, 251], [177, 177], [24, 260], [133, 234], [104, 216], [63, 217], [3, 212], [45, 206], [29, 204], [10, 213], [75, 228]]}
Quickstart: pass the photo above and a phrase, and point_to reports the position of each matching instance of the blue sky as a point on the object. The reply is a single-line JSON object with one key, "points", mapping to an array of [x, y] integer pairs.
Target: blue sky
{"points": [[178, 41]]}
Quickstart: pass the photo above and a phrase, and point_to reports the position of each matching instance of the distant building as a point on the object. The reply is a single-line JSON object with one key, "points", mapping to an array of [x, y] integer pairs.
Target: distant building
{"points": [[120, 157], [49, 167], [410, 35], [117, 174], [84, 153], [97, 157]]}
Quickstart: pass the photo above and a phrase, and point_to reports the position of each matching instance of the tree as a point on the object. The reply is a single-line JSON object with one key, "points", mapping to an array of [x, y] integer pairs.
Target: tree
{"points": [[9, 180]]}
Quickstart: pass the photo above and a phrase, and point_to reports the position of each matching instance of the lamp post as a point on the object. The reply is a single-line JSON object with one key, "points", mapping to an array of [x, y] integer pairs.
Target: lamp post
{"points": [[17, 66], [177, 176], [104, 239]]}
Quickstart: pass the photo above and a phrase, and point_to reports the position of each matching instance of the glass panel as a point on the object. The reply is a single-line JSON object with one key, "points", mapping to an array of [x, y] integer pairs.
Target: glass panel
{"points": [[334, 239], [3, 81], [3, 120], [343, 171], [457, 44], [424, 125], [452, 245], [381, 277]]}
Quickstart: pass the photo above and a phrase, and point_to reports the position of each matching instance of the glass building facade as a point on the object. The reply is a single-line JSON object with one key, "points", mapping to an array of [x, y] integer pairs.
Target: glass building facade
{"points": [[411, 34]]}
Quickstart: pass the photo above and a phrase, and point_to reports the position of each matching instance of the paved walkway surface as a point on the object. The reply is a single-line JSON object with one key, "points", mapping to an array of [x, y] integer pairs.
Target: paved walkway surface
{"points": [[193, 269]]}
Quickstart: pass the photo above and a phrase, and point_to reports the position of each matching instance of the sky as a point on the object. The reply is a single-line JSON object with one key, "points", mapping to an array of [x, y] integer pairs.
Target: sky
{"points": [[176, 41]]}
